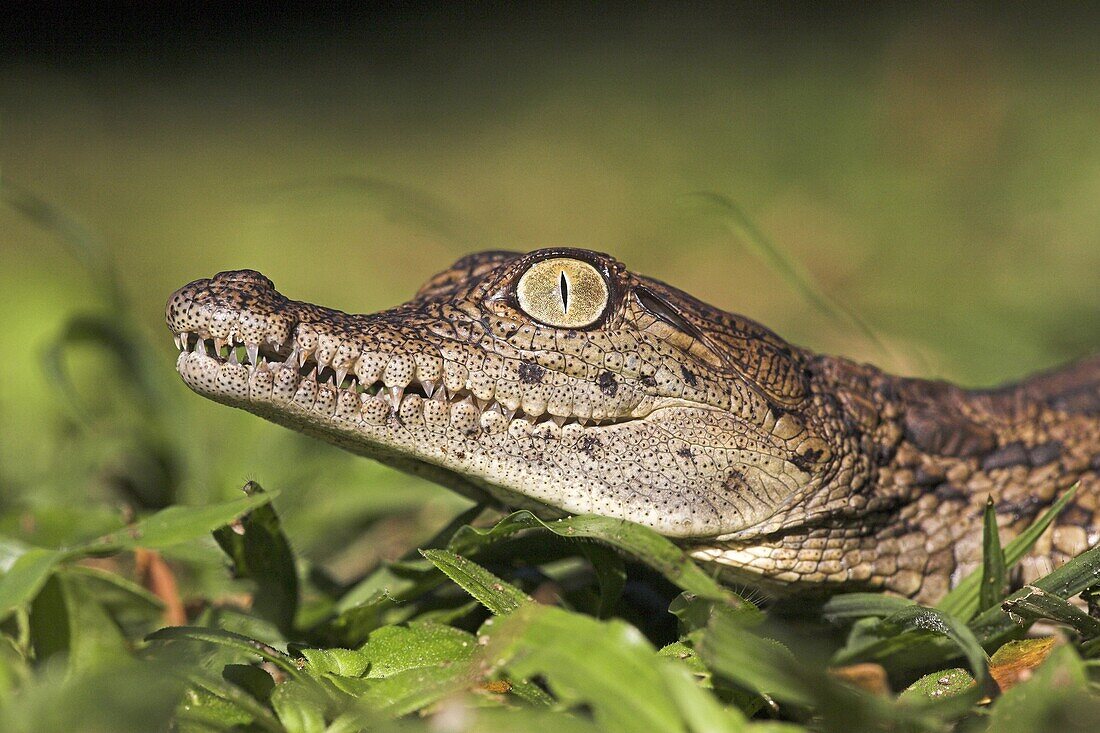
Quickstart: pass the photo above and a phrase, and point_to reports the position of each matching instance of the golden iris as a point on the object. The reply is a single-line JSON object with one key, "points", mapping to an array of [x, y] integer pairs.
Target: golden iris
{"points": [[563, 292]]}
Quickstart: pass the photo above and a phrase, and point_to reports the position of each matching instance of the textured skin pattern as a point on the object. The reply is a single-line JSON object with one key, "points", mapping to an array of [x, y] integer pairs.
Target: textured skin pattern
{"points": [[788, 470]]}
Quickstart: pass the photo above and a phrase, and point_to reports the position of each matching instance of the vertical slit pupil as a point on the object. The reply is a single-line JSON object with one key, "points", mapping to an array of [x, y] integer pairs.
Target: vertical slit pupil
{"points": [[563, 282]]}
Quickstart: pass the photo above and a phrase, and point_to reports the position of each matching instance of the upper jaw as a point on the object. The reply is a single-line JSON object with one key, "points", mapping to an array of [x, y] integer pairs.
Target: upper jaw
{"points": [[243, 343]]}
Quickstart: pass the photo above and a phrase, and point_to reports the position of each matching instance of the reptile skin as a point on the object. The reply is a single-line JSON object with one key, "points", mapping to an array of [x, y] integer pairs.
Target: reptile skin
{"points": [[788, 470]]}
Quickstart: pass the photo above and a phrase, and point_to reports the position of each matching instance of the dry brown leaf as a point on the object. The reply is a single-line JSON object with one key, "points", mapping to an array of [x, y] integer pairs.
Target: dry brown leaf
{"points": [[867, 676], [153, 573], [1013, 663]]}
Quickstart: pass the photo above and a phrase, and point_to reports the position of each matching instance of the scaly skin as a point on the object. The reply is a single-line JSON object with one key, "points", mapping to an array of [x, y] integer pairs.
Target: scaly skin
{"points": [[790, 471]]}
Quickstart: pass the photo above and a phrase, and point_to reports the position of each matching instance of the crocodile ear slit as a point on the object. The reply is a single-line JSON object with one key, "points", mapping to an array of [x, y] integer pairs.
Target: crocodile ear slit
{"points": [[659, 308], [689, 338]]}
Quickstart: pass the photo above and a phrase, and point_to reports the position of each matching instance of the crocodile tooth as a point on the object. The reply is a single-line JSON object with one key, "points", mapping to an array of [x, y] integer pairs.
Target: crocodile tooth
{"points": [[441, 394], [218, 344], [341, 372], [233, 356], [303, 356], [559, 419], [395, 395], [510, 414], [481, 403], [253, 350], [200, 347], [312, 374], [429, 387]]}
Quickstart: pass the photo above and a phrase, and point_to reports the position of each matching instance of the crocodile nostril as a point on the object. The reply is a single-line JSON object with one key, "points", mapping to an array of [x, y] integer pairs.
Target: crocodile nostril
{"points": [[246, 277]]}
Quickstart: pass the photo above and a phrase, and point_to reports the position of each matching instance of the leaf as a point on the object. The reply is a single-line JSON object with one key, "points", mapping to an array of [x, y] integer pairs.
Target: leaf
{"points": [[226, 704], [298, 708], [416, 688], [95, 638], [394, 649], [608, 666], [993, 560], [635, 540], [490, 720], [125, 697], [261, 552], [15, 671], [495, 594], [167, 527], [27, 575], [699, 709], [762, 665], [1035, 604], [1014, 662], [1055, 699], [938, 685], [228, 639], [253, 680], [849, 606], [204, 712], [610, 576], [963, 601], [178, 524], [388, 579], [49, 621], [937, 622], [343, 662]]}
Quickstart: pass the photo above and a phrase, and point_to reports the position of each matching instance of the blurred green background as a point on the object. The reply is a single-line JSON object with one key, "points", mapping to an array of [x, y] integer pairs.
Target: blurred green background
{"points": [[935, 171]]}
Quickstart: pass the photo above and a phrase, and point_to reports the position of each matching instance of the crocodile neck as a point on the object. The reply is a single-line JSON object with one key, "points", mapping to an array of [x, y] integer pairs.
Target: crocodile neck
{"points": [[931, 454]]}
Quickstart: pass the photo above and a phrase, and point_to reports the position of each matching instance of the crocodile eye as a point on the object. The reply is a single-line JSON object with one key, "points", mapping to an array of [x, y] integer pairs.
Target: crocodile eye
{"points": [[563, 292]]}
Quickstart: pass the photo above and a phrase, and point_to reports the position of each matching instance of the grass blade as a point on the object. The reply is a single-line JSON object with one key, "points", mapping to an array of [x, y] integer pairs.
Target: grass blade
{"points": [[964, 599], [993, 560], [935, 621], [635, 540], [498, 596], [1036, 604], [230, 640], [742, 227], [852, 606]]}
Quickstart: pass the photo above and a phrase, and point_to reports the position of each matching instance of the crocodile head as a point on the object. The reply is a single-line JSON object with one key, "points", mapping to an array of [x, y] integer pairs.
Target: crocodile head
{"points": [[556, 380]]}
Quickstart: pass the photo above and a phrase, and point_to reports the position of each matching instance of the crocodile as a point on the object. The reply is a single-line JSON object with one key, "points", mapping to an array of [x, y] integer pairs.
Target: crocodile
{"points": [[560, 381]]}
